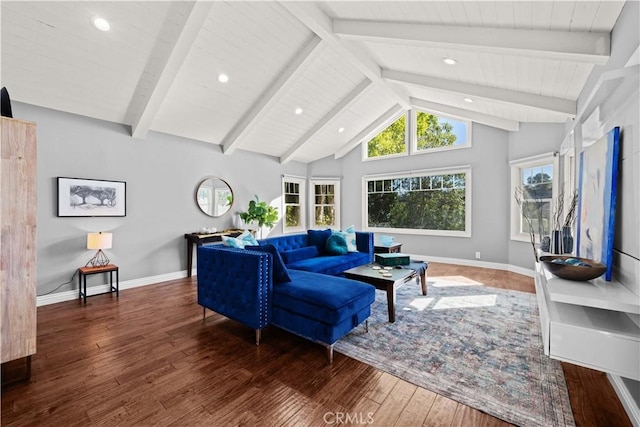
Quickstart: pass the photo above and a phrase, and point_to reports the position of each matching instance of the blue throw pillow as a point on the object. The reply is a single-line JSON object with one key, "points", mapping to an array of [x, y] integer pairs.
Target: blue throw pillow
{"points": [[336, 245], [280, 272], [299, 254], [318, 238], [244, 239]]}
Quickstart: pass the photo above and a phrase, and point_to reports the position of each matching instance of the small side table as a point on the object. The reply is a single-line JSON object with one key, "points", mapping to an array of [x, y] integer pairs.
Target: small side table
{"points": [[83, 272], [391, 249]]}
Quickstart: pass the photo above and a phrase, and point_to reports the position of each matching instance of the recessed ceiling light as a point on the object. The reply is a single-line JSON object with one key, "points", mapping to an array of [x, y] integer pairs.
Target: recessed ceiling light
{"points": [[469, 100], [223, 78], [340, 130], [449, 61], [100, 23], [298, 111]]}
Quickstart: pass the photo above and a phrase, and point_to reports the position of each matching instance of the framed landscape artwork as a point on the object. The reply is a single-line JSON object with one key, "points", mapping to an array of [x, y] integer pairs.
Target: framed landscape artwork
{"points": [[597, 199], [91, 197]]}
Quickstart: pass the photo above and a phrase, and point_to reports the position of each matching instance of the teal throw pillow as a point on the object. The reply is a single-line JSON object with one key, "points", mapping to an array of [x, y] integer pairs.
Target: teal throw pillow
{"points": [[349, 234], [336, 245], [232, 242]]}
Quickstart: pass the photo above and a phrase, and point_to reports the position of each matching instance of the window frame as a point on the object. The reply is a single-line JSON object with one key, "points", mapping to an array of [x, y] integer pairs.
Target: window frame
{"points": [[414, 133], [302, 202], [407, 127], [464, 169], [312, 201], [516, 167]]}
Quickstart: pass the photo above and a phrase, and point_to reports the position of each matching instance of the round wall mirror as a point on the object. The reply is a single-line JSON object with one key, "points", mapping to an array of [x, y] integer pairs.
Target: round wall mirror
{"points": [[214, 196]]}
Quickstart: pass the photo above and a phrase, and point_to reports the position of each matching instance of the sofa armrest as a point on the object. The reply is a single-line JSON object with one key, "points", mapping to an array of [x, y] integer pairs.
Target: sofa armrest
{"points": [[236, 283], [364, 243]]}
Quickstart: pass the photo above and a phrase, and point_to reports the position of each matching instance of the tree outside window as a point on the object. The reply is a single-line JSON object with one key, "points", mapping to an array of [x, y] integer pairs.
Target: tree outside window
{"points": [[293, 195], [428, 202], [390, 141], [438, 132]]}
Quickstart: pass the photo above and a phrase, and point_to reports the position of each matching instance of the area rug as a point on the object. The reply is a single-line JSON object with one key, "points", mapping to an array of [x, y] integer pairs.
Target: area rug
{"points": [[477, 345]]}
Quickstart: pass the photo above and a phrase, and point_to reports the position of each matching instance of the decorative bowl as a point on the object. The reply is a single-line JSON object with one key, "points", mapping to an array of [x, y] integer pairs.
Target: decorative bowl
{"points": [[587, 270], [386, 240]]}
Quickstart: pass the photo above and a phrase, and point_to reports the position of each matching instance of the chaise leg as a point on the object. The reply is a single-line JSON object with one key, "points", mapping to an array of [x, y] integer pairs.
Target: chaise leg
{"points": [[329, 353], [366, 326], [204, 313], [258, 335]]}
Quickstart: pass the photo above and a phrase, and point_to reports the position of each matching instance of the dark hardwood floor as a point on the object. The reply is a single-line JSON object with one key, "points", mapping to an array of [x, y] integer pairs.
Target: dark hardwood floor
{"points": [[148, 359]]}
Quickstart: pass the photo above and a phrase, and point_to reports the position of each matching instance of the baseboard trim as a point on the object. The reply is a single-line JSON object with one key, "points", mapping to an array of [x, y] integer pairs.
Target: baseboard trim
{"points": [[473, 263], [626, 399], [152, 280], [93, 290]]}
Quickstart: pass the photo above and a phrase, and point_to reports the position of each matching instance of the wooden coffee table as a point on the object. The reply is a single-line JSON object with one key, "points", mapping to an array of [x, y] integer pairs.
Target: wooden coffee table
{"points": [[399, 276]]}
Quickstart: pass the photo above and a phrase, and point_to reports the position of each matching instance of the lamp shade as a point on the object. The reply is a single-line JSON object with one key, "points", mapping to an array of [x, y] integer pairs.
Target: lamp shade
{"points": [[99, 240]]}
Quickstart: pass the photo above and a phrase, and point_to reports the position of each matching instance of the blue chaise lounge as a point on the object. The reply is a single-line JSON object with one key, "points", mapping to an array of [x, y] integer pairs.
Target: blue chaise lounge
{"points": [[254, 287]]}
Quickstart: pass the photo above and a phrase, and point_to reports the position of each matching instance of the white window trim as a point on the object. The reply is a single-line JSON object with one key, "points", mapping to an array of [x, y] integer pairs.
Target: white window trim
{"points": [[466, 169], [302, 182], [312, 200], [516, 166], [365, 145], [414, 130]]}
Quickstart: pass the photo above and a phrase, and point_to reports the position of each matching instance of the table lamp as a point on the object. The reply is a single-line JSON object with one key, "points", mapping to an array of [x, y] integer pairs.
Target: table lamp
{"points": [[99, 241]]}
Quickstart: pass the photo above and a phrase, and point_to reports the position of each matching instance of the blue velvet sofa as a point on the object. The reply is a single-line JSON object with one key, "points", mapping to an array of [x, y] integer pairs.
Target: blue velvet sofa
{"points": [[246, 285], [301, 252]]}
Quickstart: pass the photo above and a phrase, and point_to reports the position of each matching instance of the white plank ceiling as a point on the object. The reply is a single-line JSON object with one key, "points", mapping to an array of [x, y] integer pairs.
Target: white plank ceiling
{"points": [[348, 65]]}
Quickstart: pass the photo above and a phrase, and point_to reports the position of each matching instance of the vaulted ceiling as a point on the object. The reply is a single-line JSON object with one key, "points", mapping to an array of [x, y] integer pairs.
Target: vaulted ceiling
{"points": [[349, 68]]}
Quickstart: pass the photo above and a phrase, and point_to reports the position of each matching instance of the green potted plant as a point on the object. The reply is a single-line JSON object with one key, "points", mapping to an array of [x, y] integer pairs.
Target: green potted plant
{"points": [[260, 212]]}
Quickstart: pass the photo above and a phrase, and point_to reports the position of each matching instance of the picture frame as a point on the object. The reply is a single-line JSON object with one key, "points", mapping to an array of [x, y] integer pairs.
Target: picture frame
{"points": [[80, 197], [597, 193]]}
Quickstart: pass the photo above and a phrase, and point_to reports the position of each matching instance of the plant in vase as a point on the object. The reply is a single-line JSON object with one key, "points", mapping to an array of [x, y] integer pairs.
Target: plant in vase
{"points": [[260, 212]]}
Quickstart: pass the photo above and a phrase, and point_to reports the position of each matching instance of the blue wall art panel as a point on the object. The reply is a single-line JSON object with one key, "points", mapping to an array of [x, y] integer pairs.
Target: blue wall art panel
{"points": [[597, 199]]}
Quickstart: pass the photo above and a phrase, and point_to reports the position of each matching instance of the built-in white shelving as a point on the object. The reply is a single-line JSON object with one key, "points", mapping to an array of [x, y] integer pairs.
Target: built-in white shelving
{"points": [[586, 323], [597, 293]]}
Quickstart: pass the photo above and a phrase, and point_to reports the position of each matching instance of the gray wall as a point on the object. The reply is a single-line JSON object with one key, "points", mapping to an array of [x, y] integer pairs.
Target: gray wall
{"points": [[161, 172], [490, 184], [530, 140]]}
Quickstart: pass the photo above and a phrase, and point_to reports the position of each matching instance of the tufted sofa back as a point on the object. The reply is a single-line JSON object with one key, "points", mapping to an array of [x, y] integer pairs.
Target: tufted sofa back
{"points": [[236, 283], [287, 242]]}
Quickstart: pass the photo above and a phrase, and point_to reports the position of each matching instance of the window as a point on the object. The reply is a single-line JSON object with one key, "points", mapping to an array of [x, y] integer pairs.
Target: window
{"points": [[326, 203], [427, 202], [293, 192], [438, 133], [427, 132], [389, 142], [535, 179]]}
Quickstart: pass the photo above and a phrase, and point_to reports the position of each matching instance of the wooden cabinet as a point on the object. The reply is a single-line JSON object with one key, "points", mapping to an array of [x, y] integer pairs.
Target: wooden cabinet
{"points": [[18, 239]]}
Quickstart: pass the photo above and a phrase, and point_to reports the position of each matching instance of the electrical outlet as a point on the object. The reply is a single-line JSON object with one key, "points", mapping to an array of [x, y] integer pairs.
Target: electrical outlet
{"points": [[477, 255]]}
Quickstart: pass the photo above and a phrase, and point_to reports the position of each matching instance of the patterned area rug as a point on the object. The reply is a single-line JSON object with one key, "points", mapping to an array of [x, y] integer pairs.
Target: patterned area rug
{"points": [[478, 345]]}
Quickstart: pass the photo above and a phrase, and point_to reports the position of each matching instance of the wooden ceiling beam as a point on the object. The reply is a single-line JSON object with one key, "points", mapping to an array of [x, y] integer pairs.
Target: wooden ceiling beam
{"points": [[274, 93], [328, 119], [576, 46], [558, 105], [310, 14], [486, 119], [370, 131], [146, 102]]}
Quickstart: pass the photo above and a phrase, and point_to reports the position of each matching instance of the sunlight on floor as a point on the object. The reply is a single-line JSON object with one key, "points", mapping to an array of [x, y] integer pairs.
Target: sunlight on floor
{"points": [[467, 301], [451, 281], [419, 304]]}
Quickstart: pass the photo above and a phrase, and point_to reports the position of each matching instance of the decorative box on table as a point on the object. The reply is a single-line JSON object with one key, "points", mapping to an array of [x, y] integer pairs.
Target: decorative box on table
{"points": [[392, 259]]}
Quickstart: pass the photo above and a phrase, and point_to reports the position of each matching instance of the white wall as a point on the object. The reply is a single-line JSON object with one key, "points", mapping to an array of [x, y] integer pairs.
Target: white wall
{"points": [[619, 105]]}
